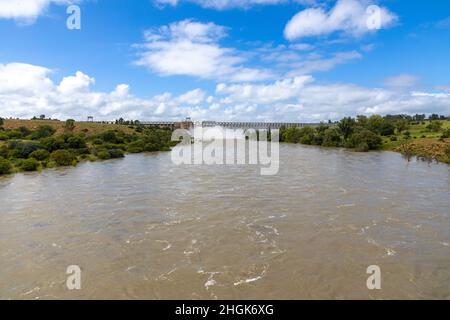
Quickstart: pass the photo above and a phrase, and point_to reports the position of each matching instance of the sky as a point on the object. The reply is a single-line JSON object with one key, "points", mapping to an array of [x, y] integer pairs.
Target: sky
{"points": [[234, 60]]}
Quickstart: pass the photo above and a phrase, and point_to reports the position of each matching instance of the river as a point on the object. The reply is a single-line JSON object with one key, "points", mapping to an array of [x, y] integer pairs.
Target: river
{"points": [[142, 227]]}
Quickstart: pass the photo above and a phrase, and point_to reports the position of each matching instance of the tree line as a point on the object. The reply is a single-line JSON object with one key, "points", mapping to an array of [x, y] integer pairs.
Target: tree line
{"points": [[24, 149], [361, 133]]}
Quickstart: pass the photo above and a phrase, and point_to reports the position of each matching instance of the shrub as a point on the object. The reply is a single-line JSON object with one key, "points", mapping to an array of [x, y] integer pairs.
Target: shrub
{"points": [[43, 131], [29, 165], [307, 135], [331, 138], [109, 136], [446, 134], [103, 155], [22, 149], [14, 134], [97, 141], [372, 140], [362, 147], [3, 136], [290, 135], [434, 126], [447, 152], [135, 149], [387, 129], [76, 142], [69, 125], [40, 154], [5, 166], [394, 138], [4, 152], [151, 147], [347, 127], [63, 157], [53, 144], [24, 131], [82, 151], [116, 153]]}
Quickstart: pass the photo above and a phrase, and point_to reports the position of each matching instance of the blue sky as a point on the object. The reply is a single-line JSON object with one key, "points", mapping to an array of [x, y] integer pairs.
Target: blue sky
{"points": [[287, 60]]}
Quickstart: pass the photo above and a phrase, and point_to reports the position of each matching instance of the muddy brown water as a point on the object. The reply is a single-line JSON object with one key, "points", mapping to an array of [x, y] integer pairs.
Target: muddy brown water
{"points": [[144, 228]]}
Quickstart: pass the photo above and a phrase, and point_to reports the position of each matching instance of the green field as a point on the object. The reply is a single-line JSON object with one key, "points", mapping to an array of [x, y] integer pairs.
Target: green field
{"points": [[418, 132]]}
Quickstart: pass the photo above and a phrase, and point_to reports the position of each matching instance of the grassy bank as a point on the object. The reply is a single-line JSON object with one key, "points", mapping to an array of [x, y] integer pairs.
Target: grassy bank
{"points": [[33, 145], [425, 139]]}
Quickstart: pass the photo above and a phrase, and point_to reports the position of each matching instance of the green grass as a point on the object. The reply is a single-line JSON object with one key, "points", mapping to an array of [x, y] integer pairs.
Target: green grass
{"points": [[417, 131]]}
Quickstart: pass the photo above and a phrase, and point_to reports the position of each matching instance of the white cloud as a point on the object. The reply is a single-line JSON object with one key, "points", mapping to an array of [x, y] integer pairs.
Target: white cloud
{"points": [[347, 16], [443, 88], [263, 94], [316, 63], [24, 79], [191, 48], [222, 4], [27, 90], [27, 10], [78, 83], [401, 81], [194, 97]]}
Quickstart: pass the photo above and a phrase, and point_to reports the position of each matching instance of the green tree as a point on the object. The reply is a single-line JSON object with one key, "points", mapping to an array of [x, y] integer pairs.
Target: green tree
{"points": [[40, 154], [76, 142], [362, 121], [30, 165], [387, 129], [63, 157], [23, 149], [43, 131], [24, 131], [364, 136], [375, 123], [347, 127], [401, 125], [446, 134], [331, 138], [70, 125], [434, 126]]}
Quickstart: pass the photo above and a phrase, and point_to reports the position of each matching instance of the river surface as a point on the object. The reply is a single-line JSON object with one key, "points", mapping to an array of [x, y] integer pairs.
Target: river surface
{"points": [[144, 228]]}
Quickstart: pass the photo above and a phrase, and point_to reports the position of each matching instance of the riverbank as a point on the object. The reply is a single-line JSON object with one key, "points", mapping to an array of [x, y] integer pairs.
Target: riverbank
{"points": [[33, 145], [427, 139]]}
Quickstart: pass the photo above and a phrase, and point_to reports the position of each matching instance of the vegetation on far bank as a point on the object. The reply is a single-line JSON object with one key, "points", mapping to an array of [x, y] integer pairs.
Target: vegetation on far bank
{"points": [[427, 138], [32, 145]]}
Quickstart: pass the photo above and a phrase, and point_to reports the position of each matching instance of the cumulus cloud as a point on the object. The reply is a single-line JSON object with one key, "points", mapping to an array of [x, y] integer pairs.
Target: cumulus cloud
{"points": [[401, 81], [27, 10], [315, 63], [190, 48], [222, 4], [263, 94], [27, 90], [350, 17]]}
